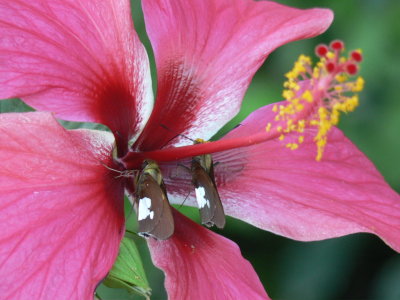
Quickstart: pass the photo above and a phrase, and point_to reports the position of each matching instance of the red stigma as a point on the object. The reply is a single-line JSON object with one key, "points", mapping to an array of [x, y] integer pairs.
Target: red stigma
{"points": [[351, 69], [321, 50], [330, 67], [357, 56], [337, 45]]}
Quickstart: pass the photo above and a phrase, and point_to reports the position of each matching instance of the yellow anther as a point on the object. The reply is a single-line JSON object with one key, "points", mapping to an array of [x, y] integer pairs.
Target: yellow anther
{"points": [[288, 94], [199, 141], [307, 95], [338, 88], [342, 78], [316, 72], [292, 146], [299, 107], [316, 96], [330, 55], [268, 128], [305, 59], [334, 118], [359, 86]]}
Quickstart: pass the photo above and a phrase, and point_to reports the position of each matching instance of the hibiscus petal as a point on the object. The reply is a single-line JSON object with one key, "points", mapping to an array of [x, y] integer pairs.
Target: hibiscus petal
{"points": [[79, 59], [61, 218], [200, 264], [206, 54], [290, 193]]}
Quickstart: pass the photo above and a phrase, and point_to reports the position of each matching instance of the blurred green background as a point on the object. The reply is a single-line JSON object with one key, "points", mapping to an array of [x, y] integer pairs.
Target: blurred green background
{"points": [[359, 266]]}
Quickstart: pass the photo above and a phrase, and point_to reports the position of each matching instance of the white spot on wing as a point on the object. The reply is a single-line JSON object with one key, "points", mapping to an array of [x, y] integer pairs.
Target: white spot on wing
{"points": [[201, 197], [144, 209]]}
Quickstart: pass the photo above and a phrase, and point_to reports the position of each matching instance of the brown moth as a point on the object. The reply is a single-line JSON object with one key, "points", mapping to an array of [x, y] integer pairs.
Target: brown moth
{"points": [[208, 200], [153, 209]]}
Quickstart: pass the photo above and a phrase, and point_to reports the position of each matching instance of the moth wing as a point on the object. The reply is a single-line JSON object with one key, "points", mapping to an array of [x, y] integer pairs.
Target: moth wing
{"points": [[154, 212], [208, 200]]}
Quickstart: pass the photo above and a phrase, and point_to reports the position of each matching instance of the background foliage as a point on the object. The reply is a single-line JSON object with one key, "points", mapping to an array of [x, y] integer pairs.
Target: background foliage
{"points": [[359, 266]]}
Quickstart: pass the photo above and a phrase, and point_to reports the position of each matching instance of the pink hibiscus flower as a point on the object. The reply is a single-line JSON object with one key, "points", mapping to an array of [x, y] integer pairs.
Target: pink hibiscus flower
{"points": [[61, 209]]}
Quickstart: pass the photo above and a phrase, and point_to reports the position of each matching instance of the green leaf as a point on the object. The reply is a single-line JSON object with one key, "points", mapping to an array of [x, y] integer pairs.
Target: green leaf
{"points": [[17, 105], [128, 272], [13, 105], [77, 125]]}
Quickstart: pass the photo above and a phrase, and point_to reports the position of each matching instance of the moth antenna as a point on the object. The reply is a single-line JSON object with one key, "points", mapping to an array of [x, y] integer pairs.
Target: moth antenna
{"points": [[183, 166], [126, 173], [180, 206], [176, 175], [111, 169], [177, 134]]}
